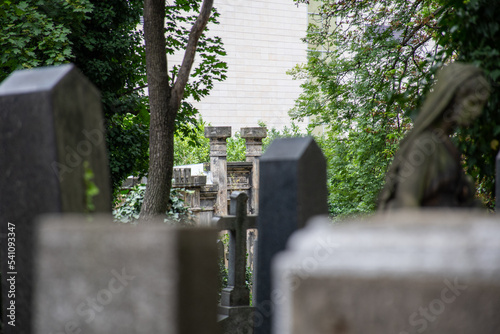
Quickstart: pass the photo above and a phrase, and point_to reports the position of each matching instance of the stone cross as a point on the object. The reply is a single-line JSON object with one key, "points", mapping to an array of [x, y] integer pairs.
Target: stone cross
{"points": [[236, 296], [52, 150], [292, 190]]}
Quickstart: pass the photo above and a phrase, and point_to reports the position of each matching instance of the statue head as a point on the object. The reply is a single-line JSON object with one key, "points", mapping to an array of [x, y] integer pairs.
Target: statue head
{"points": [[468, 102], [457, 97]]}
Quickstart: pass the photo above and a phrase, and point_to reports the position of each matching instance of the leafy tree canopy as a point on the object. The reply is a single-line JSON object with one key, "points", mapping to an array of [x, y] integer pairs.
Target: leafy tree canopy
{"points": [[36, 33], [370, 65], [102, 38]]}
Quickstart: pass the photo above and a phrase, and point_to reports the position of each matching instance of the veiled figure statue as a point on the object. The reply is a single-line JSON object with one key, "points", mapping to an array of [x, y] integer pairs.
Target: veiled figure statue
{"points": [[427, 170]]}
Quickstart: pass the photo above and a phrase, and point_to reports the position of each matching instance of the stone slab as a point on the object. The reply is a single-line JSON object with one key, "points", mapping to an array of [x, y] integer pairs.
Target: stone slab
{"points": [[292, 190], [51, 134], [94, 276], [405, 272]]}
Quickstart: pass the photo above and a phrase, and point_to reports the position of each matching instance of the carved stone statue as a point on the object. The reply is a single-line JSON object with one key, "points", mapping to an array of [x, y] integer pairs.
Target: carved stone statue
{"points": [[427, 170]]}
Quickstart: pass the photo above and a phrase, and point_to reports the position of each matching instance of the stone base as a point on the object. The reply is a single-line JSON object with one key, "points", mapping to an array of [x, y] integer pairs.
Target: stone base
{"points": [[236, 319]]}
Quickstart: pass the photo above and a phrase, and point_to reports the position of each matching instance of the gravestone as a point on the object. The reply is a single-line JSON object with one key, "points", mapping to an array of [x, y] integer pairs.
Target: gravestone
{"points": [[51, 142], [436, 272], [235, 313], [292, 190], [95, 276]]}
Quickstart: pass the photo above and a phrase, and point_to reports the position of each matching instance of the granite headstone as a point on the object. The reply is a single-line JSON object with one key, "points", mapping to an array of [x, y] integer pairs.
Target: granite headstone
{"points": [[435, 272], [292, 190], [51, 141], [94, 276]]}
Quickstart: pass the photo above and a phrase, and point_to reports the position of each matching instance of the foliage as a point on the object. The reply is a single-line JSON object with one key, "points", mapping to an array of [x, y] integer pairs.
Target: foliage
{"points": [[354, 171], [193, 149], [223, 243], [236, 148], [367, 68], [223, 275], [287, 132], [91, 188], [102, 39], [371, 65], [127, 140], [471, 33], [37, 33], [128, 210]]}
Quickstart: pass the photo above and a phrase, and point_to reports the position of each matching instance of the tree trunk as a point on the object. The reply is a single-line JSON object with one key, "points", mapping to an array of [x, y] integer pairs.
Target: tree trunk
{"points": [[164, 101]]}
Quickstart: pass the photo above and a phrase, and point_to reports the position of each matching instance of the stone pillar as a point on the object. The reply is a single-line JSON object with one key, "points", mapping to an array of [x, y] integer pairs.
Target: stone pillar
{"points": [[253, 138], [218, 163]]}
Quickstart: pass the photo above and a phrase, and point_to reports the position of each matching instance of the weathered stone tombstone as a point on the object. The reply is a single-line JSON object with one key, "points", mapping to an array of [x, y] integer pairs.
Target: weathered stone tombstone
{"points": [[51, 136], [235, 311], [292, 190], [436, 272], [218, 159], [96, 277]]}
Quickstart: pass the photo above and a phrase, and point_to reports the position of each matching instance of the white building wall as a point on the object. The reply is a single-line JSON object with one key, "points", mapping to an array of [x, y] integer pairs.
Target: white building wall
{"points": [[263, 41]]}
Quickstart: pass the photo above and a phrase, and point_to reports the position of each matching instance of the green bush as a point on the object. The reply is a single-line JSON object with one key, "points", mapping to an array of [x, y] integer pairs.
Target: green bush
{"points": [[194, 149], [128, 211]]}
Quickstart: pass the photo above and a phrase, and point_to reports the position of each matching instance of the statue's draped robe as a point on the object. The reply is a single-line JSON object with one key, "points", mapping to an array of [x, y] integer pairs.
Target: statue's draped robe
{"points": [[426, 170]]}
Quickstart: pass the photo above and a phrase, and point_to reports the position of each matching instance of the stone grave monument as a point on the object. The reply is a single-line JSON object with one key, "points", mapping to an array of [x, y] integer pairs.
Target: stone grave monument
{"points": [[51, 136], [292, 190], [94, 276], [435, 272]]}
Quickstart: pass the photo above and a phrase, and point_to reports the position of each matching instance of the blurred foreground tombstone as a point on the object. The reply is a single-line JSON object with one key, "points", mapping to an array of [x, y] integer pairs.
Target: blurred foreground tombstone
{"points": [[405, 272], [52, 160], [94, 276]]}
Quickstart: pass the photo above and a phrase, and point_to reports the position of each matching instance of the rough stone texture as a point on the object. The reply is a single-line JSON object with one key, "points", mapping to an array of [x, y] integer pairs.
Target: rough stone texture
{"points": [[407, 272], [235, 312], [217, 132], [293, 189], [96, 277], [253, 141], [50, 124], [218, 163]]}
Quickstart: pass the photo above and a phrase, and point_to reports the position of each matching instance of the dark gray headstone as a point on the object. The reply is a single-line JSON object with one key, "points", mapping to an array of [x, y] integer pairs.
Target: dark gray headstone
{"points": [[292, 190], [51, 133], [93, 276]]}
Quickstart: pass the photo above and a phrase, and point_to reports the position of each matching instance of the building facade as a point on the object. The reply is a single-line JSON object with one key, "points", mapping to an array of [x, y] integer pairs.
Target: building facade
{"points": [[263, 42]]}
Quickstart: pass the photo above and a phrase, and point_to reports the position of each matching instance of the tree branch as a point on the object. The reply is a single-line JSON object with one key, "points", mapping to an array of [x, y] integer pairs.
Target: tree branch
{"points": [[133, 90], [187, 62]]}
